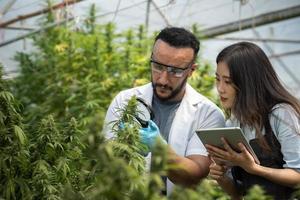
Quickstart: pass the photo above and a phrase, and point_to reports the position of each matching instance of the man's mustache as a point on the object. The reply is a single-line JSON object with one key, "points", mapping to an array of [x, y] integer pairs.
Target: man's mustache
{"points": [[163, 86]]}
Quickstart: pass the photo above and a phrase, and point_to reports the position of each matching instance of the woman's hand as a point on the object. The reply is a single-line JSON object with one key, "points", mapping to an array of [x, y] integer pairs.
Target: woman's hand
{"points": [[217, 171], [232, 158]]}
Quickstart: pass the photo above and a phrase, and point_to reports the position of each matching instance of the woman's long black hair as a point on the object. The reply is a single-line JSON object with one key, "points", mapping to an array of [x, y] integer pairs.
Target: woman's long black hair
{"points": [[258, 88]]}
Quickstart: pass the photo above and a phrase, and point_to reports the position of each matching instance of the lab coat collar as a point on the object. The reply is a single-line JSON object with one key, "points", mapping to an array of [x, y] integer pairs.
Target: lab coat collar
{"points": [[146, 92], [192, 96]]}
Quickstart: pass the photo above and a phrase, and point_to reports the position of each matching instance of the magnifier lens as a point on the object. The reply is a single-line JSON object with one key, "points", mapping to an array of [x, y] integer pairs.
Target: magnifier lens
{"points": [[144, 113]]}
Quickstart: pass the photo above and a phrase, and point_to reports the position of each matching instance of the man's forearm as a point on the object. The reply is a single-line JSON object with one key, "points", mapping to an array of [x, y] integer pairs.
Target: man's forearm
{"points": [[189, 170]]}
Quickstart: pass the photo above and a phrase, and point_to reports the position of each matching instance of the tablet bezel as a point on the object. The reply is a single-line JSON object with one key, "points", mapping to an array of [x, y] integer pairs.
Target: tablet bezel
{"points": [[233, 136]]}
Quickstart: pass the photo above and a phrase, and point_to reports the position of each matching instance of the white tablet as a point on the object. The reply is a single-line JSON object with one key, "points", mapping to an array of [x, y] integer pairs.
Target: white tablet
{"points": [[233, 136]]}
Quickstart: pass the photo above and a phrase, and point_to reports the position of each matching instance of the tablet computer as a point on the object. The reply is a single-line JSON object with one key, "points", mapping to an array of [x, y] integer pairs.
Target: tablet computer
{"points": [[233, 136]]}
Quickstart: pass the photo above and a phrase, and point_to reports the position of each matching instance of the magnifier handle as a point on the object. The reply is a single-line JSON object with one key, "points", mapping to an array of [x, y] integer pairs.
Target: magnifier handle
{"points": [[144, 124]]}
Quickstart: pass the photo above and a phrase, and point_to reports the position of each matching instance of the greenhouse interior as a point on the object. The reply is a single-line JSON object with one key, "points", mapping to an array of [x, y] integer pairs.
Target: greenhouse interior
{"points": [[65, 63]]}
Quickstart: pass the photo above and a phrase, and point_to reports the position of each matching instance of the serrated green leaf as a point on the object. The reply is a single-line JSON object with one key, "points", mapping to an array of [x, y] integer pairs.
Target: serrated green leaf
{"points": [[7, 96], [20, 134]]}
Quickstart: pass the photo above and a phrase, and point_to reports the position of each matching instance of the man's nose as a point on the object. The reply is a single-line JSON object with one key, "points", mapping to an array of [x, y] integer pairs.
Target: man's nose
{"points": [[163, 77]]}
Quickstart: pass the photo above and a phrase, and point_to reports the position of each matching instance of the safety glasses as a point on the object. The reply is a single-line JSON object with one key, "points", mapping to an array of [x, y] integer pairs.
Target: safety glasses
{"points": [[171, 70]]}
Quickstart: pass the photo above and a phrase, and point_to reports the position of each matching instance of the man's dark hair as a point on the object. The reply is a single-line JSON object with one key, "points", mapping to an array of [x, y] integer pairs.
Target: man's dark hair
{"points": [[179, 37]]}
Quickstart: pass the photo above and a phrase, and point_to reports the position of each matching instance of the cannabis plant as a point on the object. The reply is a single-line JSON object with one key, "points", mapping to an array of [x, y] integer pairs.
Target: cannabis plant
{"points": [[14, 154]]}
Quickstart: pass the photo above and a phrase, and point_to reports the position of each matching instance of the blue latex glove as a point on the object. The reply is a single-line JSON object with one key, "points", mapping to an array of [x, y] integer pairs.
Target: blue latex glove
{"points": [[121, 125], [150, 134]]}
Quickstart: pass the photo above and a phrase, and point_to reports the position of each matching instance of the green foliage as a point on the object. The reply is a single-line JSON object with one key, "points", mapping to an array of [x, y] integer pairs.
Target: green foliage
{"points": [[203, 80], [13, 148], [206, 190], [257, 193], [56, 154], [77, 73], [127, 144], [37, 165], [296, 194]]}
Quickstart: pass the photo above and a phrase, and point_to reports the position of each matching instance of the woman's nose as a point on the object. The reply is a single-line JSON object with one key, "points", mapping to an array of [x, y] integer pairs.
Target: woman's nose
{"points": [[220, 87]]}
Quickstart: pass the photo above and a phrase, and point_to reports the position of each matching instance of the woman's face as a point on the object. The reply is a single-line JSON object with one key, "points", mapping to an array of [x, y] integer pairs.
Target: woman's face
{"points": [[225, 87]]}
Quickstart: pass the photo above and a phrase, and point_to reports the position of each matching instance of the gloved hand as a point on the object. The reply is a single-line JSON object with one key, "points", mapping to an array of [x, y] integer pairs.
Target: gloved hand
{"points": [[121, 125], [150, 135]]}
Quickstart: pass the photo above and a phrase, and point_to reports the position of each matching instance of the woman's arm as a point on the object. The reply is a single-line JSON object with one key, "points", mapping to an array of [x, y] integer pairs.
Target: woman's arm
{"points": [[287, 177]]}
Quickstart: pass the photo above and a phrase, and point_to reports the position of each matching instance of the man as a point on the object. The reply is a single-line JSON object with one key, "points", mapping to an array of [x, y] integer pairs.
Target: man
{"points": [[178, 109]]}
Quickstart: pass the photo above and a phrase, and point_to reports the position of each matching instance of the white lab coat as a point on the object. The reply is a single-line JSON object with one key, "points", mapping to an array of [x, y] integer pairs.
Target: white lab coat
{"points": [[195, 111]]}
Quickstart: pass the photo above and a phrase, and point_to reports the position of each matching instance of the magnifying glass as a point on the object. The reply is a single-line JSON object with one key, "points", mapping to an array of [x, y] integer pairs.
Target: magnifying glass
{"points": [[144, 112]]}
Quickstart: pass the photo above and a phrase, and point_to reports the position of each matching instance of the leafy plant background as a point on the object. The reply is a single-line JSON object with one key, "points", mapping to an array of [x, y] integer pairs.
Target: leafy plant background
{"points": [[52, 115]]}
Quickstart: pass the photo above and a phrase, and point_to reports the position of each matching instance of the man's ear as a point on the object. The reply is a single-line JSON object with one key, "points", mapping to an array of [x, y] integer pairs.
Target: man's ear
{"points": [[193, 68]]}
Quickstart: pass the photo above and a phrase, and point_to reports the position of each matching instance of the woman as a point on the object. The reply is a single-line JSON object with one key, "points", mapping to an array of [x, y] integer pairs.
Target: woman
{"points": [[268, 114]]}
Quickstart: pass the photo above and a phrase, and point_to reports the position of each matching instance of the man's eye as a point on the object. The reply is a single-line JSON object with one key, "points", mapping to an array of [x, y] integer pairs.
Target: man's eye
{"points": [[217, 79], [176, 71], [159, 67]]}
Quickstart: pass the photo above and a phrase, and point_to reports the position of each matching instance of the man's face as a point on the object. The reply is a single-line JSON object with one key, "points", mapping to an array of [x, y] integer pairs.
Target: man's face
{"points": [[170, 68]]}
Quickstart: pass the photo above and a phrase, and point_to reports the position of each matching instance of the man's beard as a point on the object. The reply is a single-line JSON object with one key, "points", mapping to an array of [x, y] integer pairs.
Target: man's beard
{"points": [[174, 92]]}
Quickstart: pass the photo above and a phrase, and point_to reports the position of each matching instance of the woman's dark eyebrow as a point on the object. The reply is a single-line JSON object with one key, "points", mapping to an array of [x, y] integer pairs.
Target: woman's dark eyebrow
{"points": [[222, 76]]}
